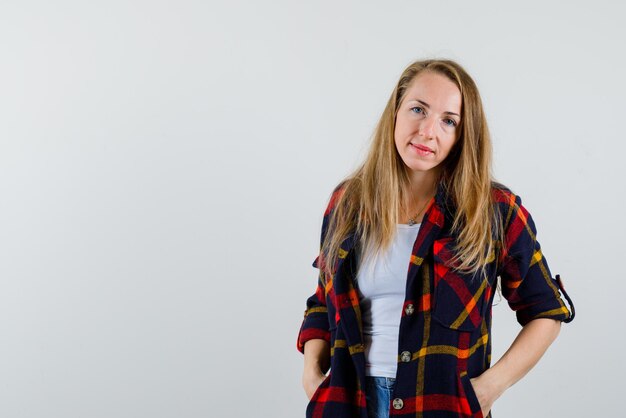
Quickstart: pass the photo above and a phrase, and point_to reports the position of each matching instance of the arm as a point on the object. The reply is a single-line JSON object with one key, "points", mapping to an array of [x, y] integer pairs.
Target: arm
{"points": [[529, 346], [316, 363], [313, 341], [314, 335], [532, 293]]}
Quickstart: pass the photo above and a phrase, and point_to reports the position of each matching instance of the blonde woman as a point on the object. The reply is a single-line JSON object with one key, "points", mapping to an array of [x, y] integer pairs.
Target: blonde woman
{"points": [[412, 246]]}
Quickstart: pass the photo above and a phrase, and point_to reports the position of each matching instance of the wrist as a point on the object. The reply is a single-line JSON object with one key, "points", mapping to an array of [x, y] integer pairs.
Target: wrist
{"points": [[496, 381], [313, 369]]}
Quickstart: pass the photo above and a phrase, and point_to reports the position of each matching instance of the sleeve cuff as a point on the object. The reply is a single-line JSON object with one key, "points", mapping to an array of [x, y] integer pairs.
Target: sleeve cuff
{"points": [[314, 326], [552, 308]]}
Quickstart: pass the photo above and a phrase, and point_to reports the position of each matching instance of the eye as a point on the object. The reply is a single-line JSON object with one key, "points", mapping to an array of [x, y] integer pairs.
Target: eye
{"points": [[417, 109], [449, 122]]}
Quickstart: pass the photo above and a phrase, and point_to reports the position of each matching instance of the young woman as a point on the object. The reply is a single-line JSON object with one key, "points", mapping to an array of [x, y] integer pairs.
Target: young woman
{"points": [[412, 245]]}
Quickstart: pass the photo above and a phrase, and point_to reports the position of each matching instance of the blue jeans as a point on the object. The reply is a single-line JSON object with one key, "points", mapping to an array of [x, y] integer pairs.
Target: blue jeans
{"points": [[378, 392]]}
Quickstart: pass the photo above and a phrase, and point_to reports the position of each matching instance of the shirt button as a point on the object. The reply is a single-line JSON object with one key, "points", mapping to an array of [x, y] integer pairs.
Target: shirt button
{"points": [[398, 403], [409, 309], [405, 356]]}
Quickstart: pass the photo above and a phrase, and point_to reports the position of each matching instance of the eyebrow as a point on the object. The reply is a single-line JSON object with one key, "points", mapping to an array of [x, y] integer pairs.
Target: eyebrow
{"points": [[428, 106]]}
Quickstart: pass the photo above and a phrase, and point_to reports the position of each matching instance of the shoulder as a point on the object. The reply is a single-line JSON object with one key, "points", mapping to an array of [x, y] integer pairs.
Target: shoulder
{"points": [[335, 195], [504, 198], [517, 222], [508, 205], [501, 194]]}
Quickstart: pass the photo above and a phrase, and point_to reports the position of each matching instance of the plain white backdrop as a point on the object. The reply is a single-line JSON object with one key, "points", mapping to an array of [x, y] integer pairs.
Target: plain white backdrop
{"points": [[164, 166]]}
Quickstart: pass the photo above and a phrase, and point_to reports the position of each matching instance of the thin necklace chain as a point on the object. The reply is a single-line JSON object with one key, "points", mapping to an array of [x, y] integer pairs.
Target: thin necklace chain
{"points": [[412, 219]]}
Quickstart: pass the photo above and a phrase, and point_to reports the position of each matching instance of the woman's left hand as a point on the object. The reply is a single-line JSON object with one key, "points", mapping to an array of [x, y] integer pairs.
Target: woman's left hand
{"points": [[486, 391], [528, 347]]}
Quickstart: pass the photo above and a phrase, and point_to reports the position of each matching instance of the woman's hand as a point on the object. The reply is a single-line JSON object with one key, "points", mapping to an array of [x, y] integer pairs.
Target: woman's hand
{"points": [[529, 345], [316, 361], [486, 391], [311, 380]]}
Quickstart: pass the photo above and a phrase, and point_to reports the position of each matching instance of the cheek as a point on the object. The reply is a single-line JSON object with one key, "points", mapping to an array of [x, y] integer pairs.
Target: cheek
{"points": [[399, 148], [449, 143], [404, 125], [397, 130], [398, 135]]}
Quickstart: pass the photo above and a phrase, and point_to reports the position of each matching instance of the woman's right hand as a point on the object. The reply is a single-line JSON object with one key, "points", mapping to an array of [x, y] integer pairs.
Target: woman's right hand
{"points": [[311, 380], [316, 359]]}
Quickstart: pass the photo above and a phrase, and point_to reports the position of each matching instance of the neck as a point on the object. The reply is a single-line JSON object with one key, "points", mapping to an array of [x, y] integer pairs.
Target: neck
{"points": [[423, 184], [422, 188]]}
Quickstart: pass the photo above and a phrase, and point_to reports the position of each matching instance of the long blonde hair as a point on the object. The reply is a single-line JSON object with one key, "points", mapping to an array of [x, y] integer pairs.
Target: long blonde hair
{"points": [[371, 197]]}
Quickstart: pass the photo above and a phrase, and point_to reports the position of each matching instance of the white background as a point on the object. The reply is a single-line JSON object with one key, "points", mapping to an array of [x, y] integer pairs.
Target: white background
{"points": [[164, 166]]}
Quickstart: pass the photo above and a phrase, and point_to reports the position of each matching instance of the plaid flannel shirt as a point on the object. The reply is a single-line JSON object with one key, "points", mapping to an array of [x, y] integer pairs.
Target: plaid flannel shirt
{"points": [[445, 327]]}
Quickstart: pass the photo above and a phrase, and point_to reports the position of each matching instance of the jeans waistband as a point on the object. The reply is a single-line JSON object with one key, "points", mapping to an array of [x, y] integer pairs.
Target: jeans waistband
{"points": [[382, 381]]}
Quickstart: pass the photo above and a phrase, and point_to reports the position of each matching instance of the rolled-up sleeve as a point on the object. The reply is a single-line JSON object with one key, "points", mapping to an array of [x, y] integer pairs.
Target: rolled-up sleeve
{"points": [[315, 323], [527, 283]]}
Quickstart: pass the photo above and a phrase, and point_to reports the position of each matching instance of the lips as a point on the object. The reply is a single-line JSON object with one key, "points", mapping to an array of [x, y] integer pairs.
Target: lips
{"points": [[423, 149]]}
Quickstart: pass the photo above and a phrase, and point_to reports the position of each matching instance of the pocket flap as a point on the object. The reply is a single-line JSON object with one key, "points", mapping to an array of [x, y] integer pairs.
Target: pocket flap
{"points": [[459, 298]]}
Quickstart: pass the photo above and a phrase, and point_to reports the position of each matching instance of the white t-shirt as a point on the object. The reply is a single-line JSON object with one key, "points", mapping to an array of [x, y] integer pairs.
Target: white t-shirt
{"points": [[382, 288]]}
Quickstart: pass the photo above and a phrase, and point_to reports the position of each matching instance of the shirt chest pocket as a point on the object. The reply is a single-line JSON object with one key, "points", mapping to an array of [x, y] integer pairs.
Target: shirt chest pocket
{"points": [[459, 299]]}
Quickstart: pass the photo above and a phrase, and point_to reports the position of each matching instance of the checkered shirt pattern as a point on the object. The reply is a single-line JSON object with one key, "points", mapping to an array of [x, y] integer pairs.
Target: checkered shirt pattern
{"points": [[445, 327]]}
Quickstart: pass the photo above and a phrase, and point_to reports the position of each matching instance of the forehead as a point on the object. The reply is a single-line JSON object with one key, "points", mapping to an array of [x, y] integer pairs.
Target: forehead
{"points": [[441, 93]]}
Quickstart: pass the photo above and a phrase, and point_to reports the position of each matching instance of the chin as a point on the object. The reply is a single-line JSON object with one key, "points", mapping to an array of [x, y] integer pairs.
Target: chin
{"points": [[421, 167]]}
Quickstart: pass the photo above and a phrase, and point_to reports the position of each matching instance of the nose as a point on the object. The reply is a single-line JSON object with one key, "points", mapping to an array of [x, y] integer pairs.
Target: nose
{"points": [[427, 127]]}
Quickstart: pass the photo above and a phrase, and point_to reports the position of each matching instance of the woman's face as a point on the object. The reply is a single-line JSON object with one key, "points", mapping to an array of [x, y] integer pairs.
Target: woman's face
{"points": [[427, 122]]}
